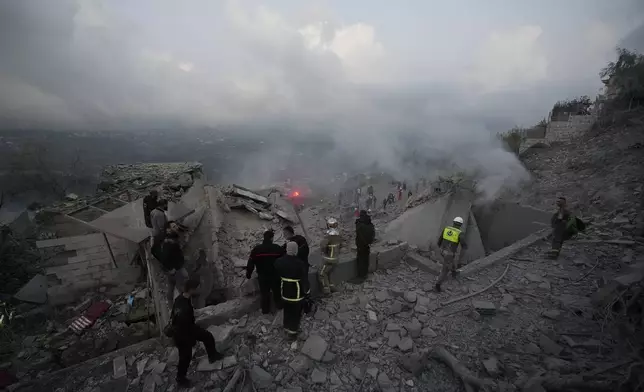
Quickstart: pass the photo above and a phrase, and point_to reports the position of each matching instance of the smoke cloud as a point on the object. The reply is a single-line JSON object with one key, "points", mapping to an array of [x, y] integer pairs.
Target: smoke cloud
{"points": [[83, 64]]}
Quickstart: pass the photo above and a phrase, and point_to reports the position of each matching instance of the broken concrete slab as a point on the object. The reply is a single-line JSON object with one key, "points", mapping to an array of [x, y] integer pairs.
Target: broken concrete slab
{"points": [[314, 347], [244, 192], [630, 279], [34, 291], [484, 307], [419, 226], [502, 254], [119, 367], [475, 249], [220, 313], [423, 263], [549, 346], [390, 256]]}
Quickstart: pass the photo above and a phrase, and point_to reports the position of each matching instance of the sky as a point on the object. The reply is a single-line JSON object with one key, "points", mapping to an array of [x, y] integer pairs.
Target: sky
{"points": [[455, 71]]}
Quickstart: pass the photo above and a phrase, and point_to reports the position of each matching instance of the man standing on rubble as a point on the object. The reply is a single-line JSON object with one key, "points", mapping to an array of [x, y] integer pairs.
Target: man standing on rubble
{"points": [[365, 235], [187, 332], [263, 258], [564, 225], [448, 242], [172, 260], [150, 203], [302, 250], [293, 273], [330, 248]]}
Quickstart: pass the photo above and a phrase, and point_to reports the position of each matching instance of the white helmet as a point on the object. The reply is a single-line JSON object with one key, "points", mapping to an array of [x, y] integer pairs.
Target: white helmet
{"points": [[458, 219]]}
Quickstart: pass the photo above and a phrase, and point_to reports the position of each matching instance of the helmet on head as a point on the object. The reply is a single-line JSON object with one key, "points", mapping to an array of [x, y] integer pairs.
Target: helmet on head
{"points": [[369, 211], [331, 223], [458, 220]]}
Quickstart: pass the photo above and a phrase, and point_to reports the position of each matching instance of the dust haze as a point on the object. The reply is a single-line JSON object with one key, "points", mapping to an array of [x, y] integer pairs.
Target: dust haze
{"points": [[278, 77]]}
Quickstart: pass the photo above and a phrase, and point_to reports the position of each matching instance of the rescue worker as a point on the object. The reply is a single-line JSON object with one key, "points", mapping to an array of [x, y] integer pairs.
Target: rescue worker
{"points": [[159, 221], [564, 225], [186, 333], [172, 261], [150, 203], [293, 275], [302, 250], [448, 242], [365, 234], [330, 248], [263, 257]]}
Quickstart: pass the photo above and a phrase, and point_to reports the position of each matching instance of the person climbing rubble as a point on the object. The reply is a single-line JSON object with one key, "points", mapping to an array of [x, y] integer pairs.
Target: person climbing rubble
{"points": [[294, 282], [263, 257], [330, 248], [186, 332], [365, 235], [564, 225], [150, 203], [173, 261], [448, 242]]}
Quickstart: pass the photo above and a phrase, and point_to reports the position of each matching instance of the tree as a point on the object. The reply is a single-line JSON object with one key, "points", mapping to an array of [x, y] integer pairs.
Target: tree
{"points": [[625, 77], [577, 106], [513, 139]]}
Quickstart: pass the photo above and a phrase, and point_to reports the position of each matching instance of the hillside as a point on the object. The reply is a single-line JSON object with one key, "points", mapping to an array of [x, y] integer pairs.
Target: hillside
{"points": [[600, 173]]}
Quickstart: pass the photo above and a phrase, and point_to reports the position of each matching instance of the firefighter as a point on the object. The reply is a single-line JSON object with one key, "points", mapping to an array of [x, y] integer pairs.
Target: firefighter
{"points": [[292, 272], [449, 240], [330, 247], [365, 235], [263, 258]]}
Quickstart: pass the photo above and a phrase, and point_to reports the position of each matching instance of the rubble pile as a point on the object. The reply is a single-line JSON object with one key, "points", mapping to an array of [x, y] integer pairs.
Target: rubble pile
{"points": [[45, 339]]}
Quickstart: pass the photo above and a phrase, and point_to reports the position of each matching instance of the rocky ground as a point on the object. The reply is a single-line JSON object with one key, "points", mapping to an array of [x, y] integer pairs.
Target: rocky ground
{"points": [[537, 321]]}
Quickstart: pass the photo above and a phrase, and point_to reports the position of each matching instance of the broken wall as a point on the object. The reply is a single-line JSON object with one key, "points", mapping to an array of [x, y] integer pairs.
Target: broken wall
{"points": [[501, 224], [85, 262]]}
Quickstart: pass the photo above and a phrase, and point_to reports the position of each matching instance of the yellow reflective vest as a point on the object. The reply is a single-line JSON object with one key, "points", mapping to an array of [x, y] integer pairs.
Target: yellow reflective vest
{"points": [[451, 234]]}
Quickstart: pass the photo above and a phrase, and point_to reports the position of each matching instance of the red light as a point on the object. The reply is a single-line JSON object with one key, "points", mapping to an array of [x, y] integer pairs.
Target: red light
{"points": [[296, 194]]}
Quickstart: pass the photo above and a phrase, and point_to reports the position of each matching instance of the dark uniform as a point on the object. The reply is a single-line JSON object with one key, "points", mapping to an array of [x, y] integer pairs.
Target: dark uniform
{"points": [[187, 333], [294, 281], [365, 234], [263, 258], [150, 202], [302, 254], [448, 241]]}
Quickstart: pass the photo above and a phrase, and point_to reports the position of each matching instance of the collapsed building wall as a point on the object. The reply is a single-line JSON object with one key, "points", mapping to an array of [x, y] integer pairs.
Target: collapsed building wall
{"points": [[502, 224]]}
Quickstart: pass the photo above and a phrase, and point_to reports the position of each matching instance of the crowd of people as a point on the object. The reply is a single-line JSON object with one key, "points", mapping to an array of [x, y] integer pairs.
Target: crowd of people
{"points": [[283, 270]]}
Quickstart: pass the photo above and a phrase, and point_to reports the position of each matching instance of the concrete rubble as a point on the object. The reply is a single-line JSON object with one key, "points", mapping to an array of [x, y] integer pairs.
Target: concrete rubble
{"points": [[535, 325]]}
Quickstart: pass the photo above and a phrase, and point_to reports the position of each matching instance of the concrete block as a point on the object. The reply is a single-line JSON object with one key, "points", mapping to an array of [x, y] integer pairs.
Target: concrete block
{"points": [[373, 260], [34, 291], [389, 257], [68, 240], [632, 278], [220, 313], [503, 254], [423, 263], [346, 269]]}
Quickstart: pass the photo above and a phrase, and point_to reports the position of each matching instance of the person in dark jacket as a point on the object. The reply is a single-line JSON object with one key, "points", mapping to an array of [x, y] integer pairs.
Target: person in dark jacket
{"points": [[365, 235], [263, 258], [293, 274], [302, 249], [564, 225], [173, 261], [150, 203], [187, 332], [449, 240], [159, 221]]}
